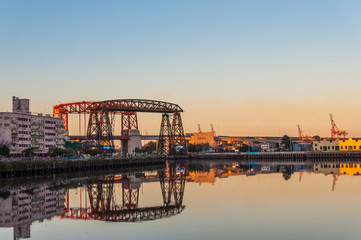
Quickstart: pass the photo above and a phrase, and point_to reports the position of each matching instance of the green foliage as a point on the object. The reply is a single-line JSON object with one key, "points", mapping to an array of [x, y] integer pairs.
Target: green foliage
{"points": [[243, 148], [198, 147], [4, 151], [149, 147], [93, 152], [59, 151], [286, 140], [191, 148], [4, 195], [29, 151]]}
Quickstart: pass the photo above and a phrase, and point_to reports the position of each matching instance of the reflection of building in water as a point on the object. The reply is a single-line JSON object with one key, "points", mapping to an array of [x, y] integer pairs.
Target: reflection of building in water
{"points": [[327, 168], [203, 177], [338, 168], [20, 207], [350, 169]]}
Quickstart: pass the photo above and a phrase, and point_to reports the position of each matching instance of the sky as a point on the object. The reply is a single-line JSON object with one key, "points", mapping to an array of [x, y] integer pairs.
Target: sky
{"points": [[247, 67]]}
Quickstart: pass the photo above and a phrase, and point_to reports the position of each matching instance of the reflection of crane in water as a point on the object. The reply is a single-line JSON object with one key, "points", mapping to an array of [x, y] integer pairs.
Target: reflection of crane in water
{"points": [[335, 178], [103, 205]]}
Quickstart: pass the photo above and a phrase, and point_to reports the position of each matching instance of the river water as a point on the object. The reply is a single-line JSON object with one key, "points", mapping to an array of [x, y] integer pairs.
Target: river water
{"points": [[194, 200]]}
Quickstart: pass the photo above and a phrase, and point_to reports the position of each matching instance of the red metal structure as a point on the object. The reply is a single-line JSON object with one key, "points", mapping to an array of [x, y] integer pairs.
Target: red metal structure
{"points": [[100, 126], [63, 110], [100, 123], [335, 131]]}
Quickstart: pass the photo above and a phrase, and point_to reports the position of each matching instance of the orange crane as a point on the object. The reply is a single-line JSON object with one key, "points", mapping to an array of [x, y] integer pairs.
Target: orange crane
{"points": [[335, 178], [301, 136], [335, 131]]}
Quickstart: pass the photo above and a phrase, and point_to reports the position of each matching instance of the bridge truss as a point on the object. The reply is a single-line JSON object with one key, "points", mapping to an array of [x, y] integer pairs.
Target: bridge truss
{"points": [[100, 126]]}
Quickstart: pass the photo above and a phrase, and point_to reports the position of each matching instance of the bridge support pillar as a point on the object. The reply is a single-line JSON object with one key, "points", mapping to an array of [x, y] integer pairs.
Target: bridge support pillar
{"points": [[171, 137], [179, 145], [129, 129], [100, 129], [134, 141], [165, 141]]}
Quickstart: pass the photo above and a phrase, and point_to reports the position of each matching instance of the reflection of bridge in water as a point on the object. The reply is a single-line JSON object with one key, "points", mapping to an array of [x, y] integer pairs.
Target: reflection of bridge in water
{"points": [[105, 207]]}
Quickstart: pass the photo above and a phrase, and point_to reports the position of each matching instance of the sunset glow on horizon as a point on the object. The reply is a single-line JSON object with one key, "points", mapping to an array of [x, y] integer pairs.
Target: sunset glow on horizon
{"points": [[249, 68]]}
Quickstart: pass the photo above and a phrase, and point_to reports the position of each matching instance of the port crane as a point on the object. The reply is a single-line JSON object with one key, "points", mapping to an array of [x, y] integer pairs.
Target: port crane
{"points": [[302, 137], [335, 131]]}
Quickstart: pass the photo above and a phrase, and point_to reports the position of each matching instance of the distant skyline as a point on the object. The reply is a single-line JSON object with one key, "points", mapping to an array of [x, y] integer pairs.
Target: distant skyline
{"points": [[247, 67]]}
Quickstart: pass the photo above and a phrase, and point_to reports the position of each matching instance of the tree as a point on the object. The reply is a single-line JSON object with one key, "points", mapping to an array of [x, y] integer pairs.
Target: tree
{"points": [[243, 148], [53, 151], [94, 152], [149, 147], [4, 150], [191, 148], [286, 141], [28, 152]]}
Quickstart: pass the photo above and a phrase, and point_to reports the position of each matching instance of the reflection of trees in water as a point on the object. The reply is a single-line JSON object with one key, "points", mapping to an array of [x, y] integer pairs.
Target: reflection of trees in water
{"points": [[287, 172]]}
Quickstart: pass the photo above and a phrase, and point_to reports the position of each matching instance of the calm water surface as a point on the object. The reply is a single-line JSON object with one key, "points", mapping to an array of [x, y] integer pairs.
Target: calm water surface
{"points": [[203, 200]]}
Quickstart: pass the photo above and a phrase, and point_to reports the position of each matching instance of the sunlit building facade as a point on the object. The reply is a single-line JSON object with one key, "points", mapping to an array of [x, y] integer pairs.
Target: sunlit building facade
{"points": [[21, 130], [327, 144], [351, 144]]}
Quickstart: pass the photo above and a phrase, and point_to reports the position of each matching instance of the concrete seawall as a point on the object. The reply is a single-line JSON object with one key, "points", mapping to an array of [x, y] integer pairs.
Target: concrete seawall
{"points": [[50, 167], [284, 156]]}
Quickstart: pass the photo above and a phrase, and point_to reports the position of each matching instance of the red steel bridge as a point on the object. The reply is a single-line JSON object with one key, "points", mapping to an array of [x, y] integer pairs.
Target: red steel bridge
{"points": [[101, 115], [104, 206]]}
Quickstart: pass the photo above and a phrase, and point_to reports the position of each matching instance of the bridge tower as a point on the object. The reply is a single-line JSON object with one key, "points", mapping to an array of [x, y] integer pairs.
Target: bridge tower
{"points": [[171, 137], [101, 130], [130, 132]]}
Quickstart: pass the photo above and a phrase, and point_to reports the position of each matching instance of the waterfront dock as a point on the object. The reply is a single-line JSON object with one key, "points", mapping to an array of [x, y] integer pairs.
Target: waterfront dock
{"points": [[283, 156], [51, 167]]}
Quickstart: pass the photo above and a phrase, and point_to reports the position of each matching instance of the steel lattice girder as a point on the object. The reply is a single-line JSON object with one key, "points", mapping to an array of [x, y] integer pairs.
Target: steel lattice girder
{"points": [[165, 141], [136, 105], [100, 129], [177, 135], [63, 110], [129, 121]]}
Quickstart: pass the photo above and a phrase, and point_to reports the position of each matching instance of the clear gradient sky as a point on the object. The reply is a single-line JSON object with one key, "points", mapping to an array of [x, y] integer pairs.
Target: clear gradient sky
{"points": [[248, 67]]}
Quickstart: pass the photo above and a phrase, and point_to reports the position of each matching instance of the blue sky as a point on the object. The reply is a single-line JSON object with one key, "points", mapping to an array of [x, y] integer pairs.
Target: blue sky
{"points": [[241, 65]]}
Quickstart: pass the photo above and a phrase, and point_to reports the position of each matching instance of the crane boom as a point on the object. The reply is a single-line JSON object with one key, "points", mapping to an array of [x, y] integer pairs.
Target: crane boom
{"points": [[335, 131]]}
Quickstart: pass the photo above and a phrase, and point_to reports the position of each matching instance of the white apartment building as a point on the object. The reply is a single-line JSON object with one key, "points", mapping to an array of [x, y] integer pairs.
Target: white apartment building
{"points": [[20, 129]]}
